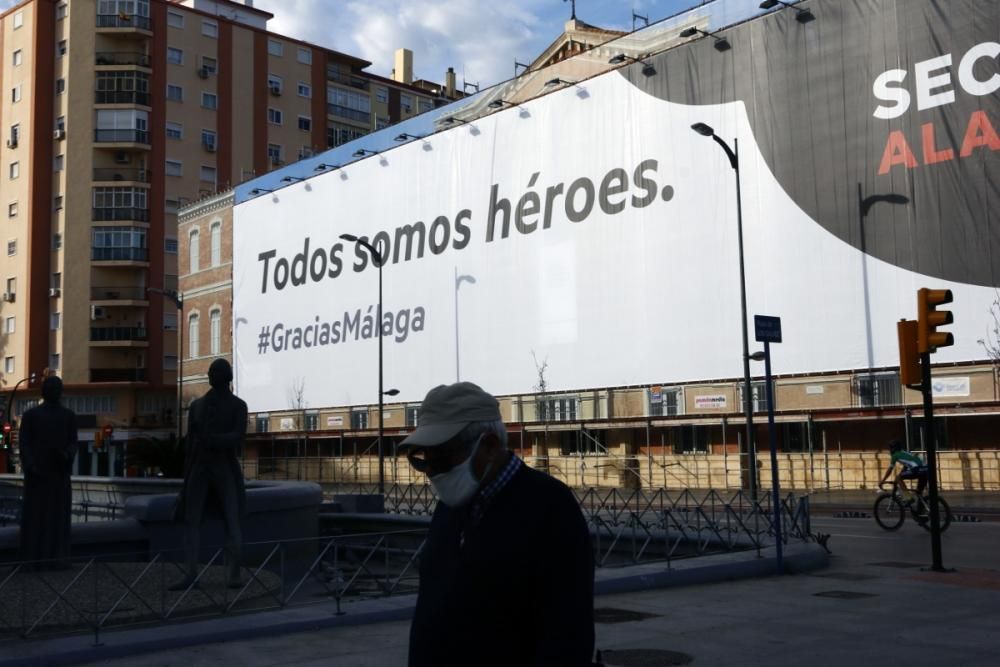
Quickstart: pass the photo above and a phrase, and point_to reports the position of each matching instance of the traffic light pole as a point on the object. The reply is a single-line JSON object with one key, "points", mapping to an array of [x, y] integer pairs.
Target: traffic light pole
{"points": [[931, 445]]}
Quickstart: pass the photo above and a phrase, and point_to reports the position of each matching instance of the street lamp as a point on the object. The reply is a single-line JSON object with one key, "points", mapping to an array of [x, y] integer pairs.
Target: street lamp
{"points": [[175, 297], [734, 161], [378, 259]]}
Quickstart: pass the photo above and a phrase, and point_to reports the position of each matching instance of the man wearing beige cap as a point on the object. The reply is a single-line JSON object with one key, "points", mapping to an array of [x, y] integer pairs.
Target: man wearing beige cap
{"points": [[507, 573]]}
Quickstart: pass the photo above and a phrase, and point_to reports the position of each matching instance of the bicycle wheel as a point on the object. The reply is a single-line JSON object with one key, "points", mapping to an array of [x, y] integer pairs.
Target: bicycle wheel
{"points": [[944, 515], [888, 511]]}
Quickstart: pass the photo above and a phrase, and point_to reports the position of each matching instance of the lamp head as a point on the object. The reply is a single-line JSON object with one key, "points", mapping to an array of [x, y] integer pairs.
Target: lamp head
{"points": [[769, 4], [495, 104], [703, 129], [689, 32], [617, 60]]}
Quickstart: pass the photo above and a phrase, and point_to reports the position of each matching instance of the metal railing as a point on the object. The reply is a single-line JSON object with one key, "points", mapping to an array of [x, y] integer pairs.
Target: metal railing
{"points": [[121, 97], [113, 334], [120, 213], [117, 374], [122, 136], [120, 590], [124, 21], [121, 58], [121, 174], [119, 254], [345, 112], [118, 293], [334, 74]]}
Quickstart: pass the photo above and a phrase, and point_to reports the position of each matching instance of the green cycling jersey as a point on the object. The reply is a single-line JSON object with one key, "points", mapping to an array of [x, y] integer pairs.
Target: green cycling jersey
{"points": [[907, 460]]}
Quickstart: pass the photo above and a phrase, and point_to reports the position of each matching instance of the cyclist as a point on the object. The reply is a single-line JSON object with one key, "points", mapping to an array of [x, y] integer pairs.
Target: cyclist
{"points": [[911, 467]]}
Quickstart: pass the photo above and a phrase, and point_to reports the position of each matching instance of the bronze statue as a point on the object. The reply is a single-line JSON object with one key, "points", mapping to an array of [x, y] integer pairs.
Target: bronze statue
{"points": [[217, 424], [48, 445]]}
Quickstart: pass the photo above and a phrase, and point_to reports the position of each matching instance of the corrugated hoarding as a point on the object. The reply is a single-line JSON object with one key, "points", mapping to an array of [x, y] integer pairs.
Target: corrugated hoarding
{"points": [[592, 229]]}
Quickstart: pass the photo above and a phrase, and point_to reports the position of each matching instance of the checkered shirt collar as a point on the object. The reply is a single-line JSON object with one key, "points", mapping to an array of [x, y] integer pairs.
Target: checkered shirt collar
{"points": [[513, 465]]}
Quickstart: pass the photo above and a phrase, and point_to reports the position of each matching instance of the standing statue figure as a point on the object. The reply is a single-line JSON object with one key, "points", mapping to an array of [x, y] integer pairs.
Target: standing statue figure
{"points": [[217, 425], [48, 445]]}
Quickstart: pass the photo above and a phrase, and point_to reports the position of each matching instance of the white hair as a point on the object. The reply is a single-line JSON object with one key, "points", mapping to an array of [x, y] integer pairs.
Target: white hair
{"points": [[473, 430]]}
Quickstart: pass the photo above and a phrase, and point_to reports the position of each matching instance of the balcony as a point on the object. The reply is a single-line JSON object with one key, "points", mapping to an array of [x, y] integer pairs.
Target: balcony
{"points": [[118, 335], [121, 97], [122, 136], [124, 21], [117, 374], [119, 295], [120, 214], [334, 74], [117, 174], [121, 58], [350, 114], [119, 254]]}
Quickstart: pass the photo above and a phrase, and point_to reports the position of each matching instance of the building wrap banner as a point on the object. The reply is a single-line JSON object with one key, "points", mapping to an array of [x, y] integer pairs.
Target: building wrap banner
{"points": [[591, 229]]}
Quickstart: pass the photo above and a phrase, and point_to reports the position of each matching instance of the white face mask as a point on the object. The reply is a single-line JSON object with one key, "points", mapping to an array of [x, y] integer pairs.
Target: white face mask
{"points": [[457, 486]]}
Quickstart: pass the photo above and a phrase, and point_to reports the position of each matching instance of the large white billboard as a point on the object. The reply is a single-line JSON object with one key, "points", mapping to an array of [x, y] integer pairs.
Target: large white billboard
{"points": [[590, 229]]}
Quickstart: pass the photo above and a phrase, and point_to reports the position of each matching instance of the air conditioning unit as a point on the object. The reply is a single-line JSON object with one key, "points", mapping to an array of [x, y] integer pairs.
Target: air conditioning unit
{"points": [[98, 312], [12, 143], [203, 72], [276, 91], [209, 147], [59, 134], [9, 297], [121, 157], [54, 291]]}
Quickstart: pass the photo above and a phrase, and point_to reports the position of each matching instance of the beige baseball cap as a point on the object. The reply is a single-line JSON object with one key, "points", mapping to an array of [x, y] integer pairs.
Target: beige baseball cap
{"points": [[447, 409]]}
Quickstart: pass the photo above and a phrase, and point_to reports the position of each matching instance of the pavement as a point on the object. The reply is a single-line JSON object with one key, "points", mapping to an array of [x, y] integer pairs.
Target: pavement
{"points": [[965, 505]]}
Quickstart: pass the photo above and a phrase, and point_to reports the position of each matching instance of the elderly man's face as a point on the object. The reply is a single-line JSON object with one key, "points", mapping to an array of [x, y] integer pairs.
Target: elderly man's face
{"points": [[440, 459]]}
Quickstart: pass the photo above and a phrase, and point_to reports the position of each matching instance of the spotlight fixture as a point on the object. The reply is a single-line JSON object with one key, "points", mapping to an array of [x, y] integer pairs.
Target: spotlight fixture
{"points": [[292, 179], [499, 104], [257, 191], [451, 120], [802, 15], [647, 68], [405, 136], [721, 43], [557, 82], [323, 166], [362, 152]]}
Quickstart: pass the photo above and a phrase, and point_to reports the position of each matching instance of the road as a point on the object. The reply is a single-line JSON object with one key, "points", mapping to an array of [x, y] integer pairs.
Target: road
{"points": [[874, 604]]}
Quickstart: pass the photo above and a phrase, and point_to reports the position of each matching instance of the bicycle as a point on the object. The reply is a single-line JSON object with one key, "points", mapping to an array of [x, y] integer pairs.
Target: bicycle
{"points": [[890, 510]]}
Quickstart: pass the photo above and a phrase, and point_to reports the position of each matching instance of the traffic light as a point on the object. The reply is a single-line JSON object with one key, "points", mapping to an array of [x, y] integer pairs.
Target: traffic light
{"points": [[929, 339], [909, 359]]}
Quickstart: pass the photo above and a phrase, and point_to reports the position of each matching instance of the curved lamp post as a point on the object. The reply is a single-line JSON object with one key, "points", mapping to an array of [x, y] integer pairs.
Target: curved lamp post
{"points": [[175, 297], [734, 161]]}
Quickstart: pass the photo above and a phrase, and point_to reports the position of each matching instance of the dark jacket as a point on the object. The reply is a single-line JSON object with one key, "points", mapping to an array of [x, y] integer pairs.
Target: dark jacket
{"points": [[514, 589], [217, 426]]}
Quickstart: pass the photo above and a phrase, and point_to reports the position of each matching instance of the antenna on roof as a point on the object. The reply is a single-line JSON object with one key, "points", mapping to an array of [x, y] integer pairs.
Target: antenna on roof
{"points": [[468, 84], [638, 16], [517, 64], [573, 15]]}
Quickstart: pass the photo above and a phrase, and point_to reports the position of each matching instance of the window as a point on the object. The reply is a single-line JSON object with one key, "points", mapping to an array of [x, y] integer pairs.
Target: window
{"points": [[61, 123], [56, 241], [275, 48], [758, 396], [58, 163], [12, 209], [274, 154], [193, 335], [12, 286], [175, 56], [174, 168], [260, 423], [18, 20], [425, 105], [312, 421], [55, 321], [11, 247], [207, 174], [878, 389], [54, 361], [15, 135], [175, 19], [210, 29], [412, 411], [17, 58], [349, 104], [558, 409], [14, 170], [119, 244], [208, 139], [304, 56], [56, 281], [216, 241], [274, 116], [171, 206], [215, 339], [406, 103], [8, 362], [664, 401], [210, 65], [170, 246], [61, 10], [61, 48], [275, 84], [210, 100], [60, 86], [381, 123], [193, 253], [794, 436], [15, 93], [57, 203], [9, 325], [175, 130], [170, 321], [381, 94], [337, 135], [121, 87], [359, 419], [175, 93], [305, 123], [305, 90], [170, 362], [690, 439], [305, 151]]}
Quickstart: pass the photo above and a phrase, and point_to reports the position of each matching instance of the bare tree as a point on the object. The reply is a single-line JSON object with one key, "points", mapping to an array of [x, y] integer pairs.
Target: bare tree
{"points": [[542, 384], [297, 400], [991, 344]]}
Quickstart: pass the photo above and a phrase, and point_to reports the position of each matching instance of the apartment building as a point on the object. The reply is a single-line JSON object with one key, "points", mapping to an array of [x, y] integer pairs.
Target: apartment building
{"points": [[115, 114]]}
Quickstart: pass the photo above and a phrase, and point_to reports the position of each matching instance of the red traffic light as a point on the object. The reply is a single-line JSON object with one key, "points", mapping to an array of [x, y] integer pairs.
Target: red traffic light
{"points": [[6, 428], [108, 430]]}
